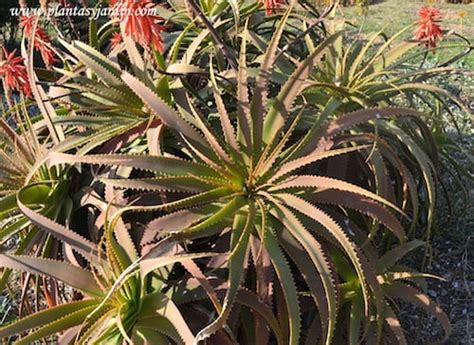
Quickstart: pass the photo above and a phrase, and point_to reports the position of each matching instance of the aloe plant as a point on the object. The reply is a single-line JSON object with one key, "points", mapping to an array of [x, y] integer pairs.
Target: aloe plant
{"points": [[396, 281], [27, 180], [383, 71], [255, 180], [103, 99], [124, 297], [224, 143]]}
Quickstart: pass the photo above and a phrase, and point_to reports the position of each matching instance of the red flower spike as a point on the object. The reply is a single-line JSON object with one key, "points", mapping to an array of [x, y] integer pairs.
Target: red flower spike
{"points": [[271, 5], [141, 23], [42, 40], [428, 29], [115, 40], [14, 73]]}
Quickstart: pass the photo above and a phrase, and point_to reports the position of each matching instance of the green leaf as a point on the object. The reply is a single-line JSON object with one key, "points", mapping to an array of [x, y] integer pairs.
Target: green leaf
{"points": [[245, 124], [363, 205], [241, 229], [412, 295], [164, 165], [161, 109], [228, 210], [176, 221], [427, 171], [293, 165], [310, 182], [259, 99], [7, 203], [318, 259], [60, 324], [149, 265], [318, 136], [79, 243], [158, 304], [164, 184], [249, 299], [183, 69], [315, 279], [106, 70], [356, 317], [364, 271], [392, 321], [72, 275], [44, 317], [48, 112], [391, 257], [148, 335], [280, 109], [286, 280]]}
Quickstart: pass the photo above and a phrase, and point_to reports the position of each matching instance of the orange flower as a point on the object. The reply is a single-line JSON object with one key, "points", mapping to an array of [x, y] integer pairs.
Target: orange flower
{"points": [[42, 40], [140, 22], [13, 71], [428, 29], [271, 5], [115, 40]]}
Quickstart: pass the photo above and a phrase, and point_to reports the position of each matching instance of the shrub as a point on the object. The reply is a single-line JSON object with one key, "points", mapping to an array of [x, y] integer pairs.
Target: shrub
{"points": [[237, 176]]}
